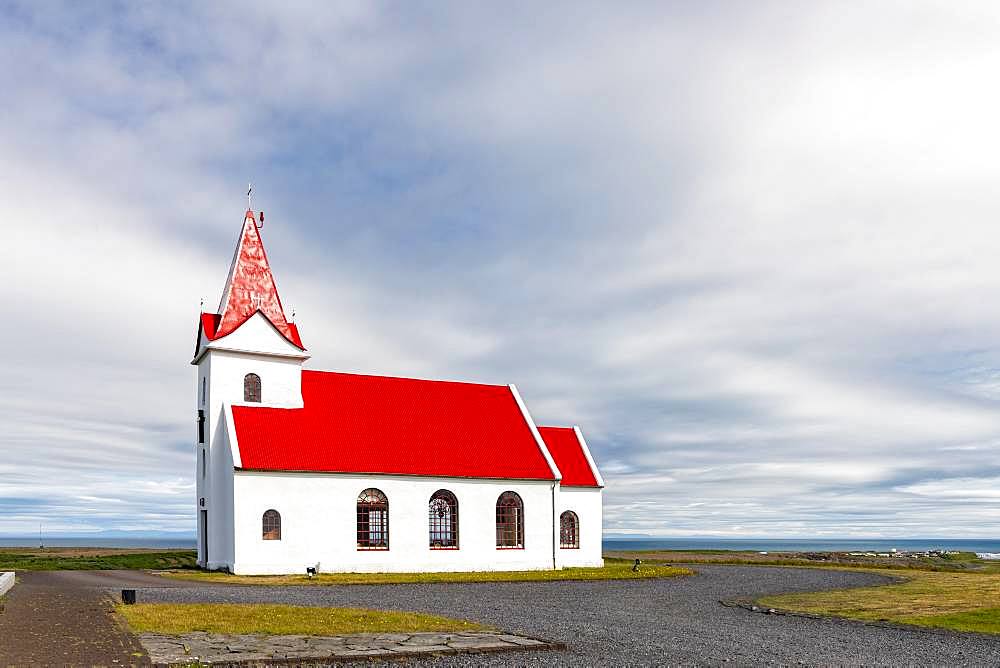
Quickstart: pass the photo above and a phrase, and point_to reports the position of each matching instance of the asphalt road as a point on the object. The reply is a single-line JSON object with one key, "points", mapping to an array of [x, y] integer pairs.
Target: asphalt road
{"points": [[676, 621]]}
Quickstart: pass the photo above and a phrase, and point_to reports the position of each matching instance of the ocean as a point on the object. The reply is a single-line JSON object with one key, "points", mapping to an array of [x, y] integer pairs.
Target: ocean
{"points": [[979, 545], [99, 541]]}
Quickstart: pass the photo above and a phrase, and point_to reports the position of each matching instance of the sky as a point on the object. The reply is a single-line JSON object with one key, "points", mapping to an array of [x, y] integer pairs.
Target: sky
{"points": [[750, 248]]}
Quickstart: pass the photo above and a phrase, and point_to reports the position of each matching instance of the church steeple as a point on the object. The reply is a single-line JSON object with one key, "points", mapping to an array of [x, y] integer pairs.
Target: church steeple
{"points": [[250, 287]]}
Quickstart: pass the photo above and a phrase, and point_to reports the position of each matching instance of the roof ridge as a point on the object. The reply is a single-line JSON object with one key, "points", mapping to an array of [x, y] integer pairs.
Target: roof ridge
{"points": [[393, 377]]}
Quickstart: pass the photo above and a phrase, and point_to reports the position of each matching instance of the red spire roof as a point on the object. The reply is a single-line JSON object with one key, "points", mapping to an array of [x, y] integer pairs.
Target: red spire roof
{"points": [[249, 288]]}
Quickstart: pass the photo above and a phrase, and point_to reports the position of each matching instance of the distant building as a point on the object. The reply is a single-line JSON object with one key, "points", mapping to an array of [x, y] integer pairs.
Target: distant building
{"points": [[357, 473]]}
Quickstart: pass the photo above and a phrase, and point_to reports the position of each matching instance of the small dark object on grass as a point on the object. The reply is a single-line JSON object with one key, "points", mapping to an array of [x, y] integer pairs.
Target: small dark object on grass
{"points": [[128, 596], [311, 571], [635, 566]]}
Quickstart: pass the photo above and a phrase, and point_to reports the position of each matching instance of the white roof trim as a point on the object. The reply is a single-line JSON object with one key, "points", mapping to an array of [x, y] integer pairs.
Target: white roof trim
{"points": [[590, 458], [234, 444], [534, 432], [204, 345]]}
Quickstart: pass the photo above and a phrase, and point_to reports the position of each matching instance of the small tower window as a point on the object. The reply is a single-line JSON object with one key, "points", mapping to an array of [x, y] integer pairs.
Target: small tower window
{"points": [[510, 521], [373, 520], [569, 531], [203, 388], [443, 511], [271, 525], [251, 387]]}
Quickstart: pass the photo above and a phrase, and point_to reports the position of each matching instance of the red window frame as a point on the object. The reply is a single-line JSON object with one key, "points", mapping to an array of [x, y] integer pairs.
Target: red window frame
{"points": [[442, 521], [373, 520], [569, 531], [271, 525], [510, 522]]}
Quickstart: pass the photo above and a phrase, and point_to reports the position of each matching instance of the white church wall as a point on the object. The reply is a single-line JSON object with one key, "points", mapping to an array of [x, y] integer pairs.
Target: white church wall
{"points": [[280, 379], [262, 352], [319, 524], [587, 503], [221, 502], [203, 452]]}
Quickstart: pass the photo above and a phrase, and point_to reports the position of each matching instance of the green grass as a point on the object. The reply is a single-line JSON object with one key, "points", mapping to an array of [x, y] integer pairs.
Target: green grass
{"points": [[24, 561], [611, 571], [915, 565], [960, 557], [957, 601], [178, 618], [983, 620], [961, 562]]}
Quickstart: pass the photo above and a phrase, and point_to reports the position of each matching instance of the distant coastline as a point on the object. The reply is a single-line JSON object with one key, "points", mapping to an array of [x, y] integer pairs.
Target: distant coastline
{"points": [[164, 543], [979, 545]]}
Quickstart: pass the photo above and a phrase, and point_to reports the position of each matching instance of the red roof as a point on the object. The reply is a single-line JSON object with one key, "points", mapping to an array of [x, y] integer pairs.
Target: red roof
{"points": [[355, 423], [568, 453], [250, 288], [210, 325]]}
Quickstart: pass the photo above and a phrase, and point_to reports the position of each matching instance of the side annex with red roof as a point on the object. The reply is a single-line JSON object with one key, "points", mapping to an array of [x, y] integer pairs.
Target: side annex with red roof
{"points": [[361, 473]]}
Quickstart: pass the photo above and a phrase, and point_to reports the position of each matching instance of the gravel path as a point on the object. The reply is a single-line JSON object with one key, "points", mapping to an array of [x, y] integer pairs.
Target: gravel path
{"points": [[644, 622]]}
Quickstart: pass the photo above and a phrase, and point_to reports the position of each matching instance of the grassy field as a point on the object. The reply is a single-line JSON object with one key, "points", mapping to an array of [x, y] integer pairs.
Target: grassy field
{"points": [[177, 618], [957, 601], [56, 559], [952, 591], [612, 571]]}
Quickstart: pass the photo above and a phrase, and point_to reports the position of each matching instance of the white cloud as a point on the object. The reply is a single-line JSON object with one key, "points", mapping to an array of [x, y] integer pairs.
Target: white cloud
{"points": [[749, 250]]}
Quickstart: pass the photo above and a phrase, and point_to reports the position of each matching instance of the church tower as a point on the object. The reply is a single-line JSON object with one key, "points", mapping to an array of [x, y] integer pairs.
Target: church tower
{"points": [[246, 353]]}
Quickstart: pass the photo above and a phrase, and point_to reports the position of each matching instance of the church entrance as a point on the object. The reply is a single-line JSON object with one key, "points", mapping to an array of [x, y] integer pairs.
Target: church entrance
{"points": [[204, 537]]}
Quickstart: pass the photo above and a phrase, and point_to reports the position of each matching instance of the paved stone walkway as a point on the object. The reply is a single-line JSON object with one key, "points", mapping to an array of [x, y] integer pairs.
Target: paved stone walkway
{"points": [[52, 621], [215, 648]]}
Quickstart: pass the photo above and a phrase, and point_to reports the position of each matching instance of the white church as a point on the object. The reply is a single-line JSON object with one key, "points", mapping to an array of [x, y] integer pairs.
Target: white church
{"points": [[344, 472]]}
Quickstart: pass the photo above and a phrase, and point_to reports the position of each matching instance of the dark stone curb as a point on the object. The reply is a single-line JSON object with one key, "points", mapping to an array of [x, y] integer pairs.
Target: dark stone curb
{"points": [[390, 656]]}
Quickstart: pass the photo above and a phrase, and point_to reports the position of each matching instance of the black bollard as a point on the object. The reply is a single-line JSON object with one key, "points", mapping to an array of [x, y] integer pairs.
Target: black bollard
{"points": [[128, 596]]}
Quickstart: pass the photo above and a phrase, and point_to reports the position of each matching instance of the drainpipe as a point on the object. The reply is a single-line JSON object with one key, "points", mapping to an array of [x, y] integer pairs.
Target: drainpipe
{"points": [[554, 526]]}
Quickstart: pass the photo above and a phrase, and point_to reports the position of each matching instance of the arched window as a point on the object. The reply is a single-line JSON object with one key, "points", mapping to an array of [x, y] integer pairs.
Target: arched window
{"points": [[569, 531], [510, 521], [251, 387], [373, 520], [443, 510], [271, 525]]}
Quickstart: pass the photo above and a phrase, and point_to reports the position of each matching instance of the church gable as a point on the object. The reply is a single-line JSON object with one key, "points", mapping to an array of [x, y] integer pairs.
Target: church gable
{"points": [[256, 334]]}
